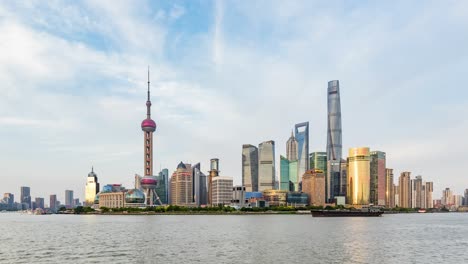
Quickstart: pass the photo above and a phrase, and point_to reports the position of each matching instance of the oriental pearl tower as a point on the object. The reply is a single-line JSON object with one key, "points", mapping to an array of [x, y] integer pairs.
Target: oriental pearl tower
{"points": [[149, 182]]}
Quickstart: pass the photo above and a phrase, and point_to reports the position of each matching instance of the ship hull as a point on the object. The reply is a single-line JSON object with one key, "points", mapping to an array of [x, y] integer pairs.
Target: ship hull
{"points": [[325, 213]]}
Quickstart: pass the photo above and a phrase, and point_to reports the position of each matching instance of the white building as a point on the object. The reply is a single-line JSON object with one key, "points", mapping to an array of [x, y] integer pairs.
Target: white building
{"points": [[222, 190], [238, 196]]}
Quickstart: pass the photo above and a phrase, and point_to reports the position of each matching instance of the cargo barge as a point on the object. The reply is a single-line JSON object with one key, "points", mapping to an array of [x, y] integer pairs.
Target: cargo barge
{"points": [[364, 212]]}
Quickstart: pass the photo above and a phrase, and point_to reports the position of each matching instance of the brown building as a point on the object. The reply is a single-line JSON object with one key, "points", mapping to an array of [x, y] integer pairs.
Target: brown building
{"points": [[181, 186], [404, 183], [313, 184]]}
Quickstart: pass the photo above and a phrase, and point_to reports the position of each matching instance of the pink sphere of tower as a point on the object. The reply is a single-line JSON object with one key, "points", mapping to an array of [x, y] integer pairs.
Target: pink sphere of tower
{"points": [[148, 125], [149, 182]]}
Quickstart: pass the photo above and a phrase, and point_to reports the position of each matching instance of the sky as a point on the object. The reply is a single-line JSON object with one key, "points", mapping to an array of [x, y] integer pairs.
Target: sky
{"points": [[225, 73]]}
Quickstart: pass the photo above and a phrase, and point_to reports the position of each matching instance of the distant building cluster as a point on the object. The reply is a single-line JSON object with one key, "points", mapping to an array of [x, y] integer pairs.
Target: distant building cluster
{"points": [[305, 178]]}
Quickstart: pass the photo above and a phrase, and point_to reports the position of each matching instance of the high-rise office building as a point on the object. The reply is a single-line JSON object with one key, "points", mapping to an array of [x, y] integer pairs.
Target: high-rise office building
{"points": [[359, 176], [9, 200], [389, 195], [250, 167], [181, 186], [53, 202], [92, 188], [162, 186], [416, 192], [39, 202], [288, 175], [200, 186], [25, 197], [213, 173], [334, 143], [465, 196], [318, 161], [404, 184], [447, 198], [292, 148], [302, 137], [377, 178], [396, 192], [222, 190], [284, 173], [313, 184], [429, 190], [69, 199], [266, 167], [149, 181]]}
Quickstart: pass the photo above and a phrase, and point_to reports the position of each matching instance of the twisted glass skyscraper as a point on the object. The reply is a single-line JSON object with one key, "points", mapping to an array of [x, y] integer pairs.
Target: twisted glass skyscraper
{"points": [[334, 145]]}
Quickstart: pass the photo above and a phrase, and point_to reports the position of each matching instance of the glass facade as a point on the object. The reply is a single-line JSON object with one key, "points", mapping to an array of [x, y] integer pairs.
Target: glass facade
{"points": [[334, 143], [162, 187], [250, 168], [318, 161], [359, 176], [266, 167], [284, 173], [293, 176], [297, 199], [389, 195], [302, 137]]}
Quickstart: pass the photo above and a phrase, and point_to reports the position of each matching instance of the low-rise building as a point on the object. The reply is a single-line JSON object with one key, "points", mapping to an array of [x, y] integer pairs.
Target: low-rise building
{"points": [[275, 197]]}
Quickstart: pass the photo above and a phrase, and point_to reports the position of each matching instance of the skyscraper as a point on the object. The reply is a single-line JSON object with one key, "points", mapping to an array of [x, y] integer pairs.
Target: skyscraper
{"points": [[302, 137], [288, 175], [53, 202], [162, 187], [389, 187], [25, 197], [181, 185], [149, 182], [69, 199], [92, 188], [250, 168], [39, 202], [318, 161], [359, 176], [291, 148], [266, 171], [377, 177], [200, 186], [334, 144], [313, 184], [404, 184], [213, 173], [429, 190], [416, 192], [9, 199]]}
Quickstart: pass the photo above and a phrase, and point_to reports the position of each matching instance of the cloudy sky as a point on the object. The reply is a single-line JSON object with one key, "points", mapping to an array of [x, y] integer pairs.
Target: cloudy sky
{"points": [[226, 73]]}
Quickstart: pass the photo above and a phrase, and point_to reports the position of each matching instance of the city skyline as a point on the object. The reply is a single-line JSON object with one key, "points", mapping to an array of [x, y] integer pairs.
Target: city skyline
{"points": [[84, 97]]}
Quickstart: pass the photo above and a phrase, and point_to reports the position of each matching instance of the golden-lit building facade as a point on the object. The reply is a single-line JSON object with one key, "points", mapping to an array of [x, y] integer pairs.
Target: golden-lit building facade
{"points": [[275, 197], [92, 188], [358, 176]]}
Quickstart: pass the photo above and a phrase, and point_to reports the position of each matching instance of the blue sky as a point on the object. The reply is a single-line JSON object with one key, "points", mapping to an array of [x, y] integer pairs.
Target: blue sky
{"points": [[226, 73]]}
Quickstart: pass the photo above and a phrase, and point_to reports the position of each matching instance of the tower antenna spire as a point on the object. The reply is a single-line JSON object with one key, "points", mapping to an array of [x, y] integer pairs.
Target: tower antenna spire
{"points": [[148, 83]]}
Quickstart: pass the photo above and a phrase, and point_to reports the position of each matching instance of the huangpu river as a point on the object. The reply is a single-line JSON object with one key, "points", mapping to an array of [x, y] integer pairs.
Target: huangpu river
{"points": [[400, 238]]}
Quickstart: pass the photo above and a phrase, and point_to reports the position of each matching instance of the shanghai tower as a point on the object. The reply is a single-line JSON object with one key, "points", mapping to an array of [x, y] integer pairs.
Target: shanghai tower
{"points": [[334, 145]]}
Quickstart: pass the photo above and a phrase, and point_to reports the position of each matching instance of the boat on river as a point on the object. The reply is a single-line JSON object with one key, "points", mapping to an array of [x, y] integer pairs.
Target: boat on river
{"points": [[363, 212]]}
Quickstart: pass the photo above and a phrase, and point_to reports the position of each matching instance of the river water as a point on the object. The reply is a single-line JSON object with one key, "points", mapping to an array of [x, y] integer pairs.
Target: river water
{"points": [[401, 238]]}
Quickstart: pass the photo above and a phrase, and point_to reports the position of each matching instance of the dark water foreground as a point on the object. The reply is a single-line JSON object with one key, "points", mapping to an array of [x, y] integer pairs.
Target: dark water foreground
{"points": [[399, 238]]}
